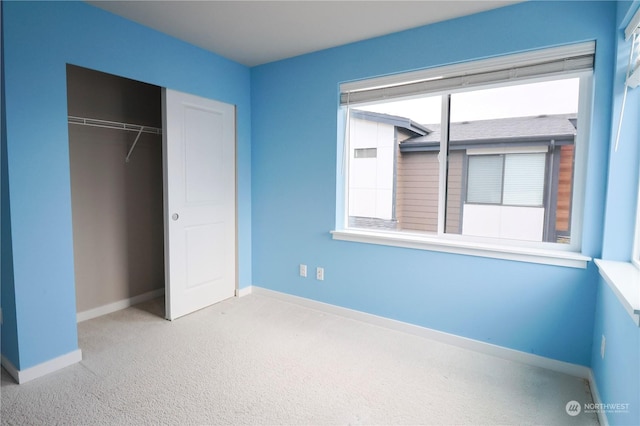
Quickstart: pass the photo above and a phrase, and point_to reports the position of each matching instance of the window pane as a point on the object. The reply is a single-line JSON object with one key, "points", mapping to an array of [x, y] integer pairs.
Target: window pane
{"points": [[371, 178], [398, 187], [485, 179], [524, 179], [365, 153], [509, 164], [532, 128]]}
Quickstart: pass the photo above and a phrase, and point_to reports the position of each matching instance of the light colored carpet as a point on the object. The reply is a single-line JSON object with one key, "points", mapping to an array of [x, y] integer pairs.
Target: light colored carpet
{"points": [[258, 360]]}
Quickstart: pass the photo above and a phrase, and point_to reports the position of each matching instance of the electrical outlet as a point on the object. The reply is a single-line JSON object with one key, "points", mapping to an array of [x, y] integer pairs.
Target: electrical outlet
{"points": [[303, 270], [602, 345], [320, 273]]}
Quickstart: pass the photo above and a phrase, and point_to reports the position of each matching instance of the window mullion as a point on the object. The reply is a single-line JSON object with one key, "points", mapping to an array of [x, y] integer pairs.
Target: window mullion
{"points": [[443, 161], [346, 165]]}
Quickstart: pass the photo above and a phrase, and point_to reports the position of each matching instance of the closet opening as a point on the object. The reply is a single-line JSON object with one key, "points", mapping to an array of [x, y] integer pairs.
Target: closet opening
{"points": [[116, 169]]}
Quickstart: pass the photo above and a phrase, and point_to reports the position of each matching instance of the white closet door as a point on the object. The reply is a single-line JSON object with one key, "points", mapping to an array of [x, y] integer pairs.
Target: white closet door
{"points": [[200, 216]]}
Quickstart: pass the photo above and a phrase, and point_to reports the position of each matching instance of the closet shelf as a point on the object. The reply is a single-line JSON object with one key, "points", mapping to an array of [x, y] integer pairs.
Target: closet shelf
{"points": [[114, 125]]}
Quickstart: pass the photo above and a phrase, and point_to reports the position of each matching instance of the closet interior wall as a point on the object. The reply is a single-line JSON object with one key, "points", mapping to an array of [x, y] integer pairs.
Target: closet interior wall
{"points": [[118, 230]]}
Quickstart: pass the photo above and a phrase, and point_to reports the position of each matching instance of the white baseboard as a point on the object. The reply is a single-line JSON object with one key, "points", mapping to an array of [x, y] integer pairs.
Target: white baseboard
{"points": [[451, 339], [28, 374], [119, 305], [595, 394], [241, 292]]}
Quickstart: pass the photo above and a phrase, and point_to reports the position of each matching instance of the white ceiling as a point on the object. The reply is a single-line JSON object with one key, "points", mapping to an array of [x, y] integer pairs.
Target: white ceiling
{"points": [[257, 32]]}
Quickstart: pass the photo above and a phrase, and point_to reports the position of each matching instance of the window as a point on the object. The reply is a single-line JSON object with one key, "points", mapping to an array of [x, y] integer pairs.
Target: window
{"points": [[635, 254], [485, 181], [632, 32], [488, 152], [508, 179], [365, 153]]}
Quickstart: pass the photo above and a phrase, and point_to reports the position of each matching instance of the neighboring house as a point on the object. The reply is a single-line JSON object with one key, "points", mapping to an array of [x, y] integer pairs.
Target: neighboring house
{"points": [[507, 178], [374, 139]]}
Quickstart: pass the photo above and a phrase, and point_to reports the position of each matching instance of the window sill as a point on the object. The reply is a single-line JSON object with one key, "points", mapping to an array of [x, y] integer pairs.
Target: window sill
{"points": [[624, 280], [421, 242]]}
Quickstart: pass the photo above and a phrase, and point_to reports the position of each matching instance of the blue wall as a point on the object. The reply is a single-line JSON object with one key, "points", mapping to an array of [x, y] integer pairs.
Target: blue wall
{"points": [[9, 337], [623, 164], [40, 38], [539, 309], [618, 375]]}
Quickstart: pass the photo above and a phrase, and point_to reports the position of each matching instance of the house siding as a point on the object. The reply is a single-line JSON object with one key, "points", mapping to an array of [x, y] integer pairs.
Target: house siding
{"points": [[455, 196], [371, 182], [417, 202], [565, 185], [417, 198]]}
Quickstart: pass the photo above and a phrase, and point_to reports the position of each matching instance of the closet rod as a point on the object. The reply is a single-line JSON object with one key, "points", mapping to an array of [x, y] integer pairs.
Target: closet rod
{"points": [[114, 125]]}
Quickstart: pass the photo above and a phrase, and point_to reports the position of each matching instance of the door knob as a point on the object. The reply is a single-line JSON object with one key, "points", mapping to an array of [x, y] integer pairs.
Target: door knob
{"points": [[175, 216]]}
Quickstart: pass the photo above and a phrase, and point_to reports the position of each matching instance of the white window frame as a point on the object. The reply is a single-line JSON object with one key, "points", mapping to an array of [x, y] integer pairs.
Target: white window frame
{"points": [[635, 255], [536, 252], [632, 32]]}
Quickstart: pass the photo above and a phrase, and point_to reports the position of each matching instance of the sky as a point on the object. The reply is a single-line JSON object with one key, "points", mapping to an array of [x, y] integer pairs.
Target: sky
{"points": [[523, 100]]}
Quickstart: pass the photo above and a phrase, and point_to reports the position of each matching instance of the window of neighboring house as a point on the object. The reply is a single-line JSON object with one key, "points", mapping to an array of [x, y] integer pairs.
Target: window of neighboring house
{"points": [[507, 179], [491, 154], [365, 153], [494, 181]]}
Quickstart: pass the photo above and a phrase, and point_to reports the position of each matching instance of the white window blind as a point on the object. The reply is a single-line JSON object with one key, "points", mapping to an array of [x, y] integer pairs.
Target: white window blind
{"points": [[524, 179], [511, 179], [633, 31], [633, 26], [485, 179], [550, 62]]}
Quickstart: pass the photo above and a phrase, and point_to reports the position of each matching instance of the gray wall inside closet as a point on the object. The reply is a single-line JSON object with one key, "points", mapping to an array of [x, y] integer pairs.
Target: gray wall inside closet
{"points": [[118, 231]]}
